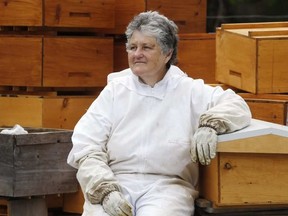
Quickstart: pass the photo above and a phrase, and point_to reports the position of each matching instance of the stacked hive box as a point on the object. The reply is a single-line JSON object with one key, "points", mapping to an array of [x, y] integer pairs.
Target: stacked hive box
{"points": [[248, 175], [55, 56], [268, 107], [196, 56], [34, 165], [253, 58], [36, 59]]}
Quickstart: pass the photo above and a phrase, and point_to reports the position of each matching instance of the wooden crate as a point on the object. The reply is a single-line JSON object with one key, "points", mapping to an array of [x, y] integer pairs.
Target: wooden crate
{"points": [[124, 13], [21, 13], [48, 112], [85, 14], [189, 15], [196, 56], [249, 171], [268, 107], [253, 57], [35, 164], [21, 60], [77, 61]]}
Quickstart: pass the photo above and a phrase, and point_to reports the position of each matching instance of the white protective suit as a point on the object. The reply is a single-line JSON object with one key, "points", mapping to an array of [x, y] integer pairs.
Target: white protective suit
{"points": [[137, 138]]}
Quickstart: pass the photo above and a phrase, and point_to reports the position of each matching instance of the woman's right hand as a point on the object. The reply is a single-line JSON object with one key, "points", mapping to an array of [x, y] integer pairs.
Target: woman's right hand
{"points": [[115, 204]]}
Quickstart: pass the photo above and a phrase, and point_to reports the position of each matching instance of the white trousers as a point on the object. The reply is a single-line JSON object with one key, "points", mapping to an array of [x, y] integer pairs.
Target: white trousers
{"points": [[152, 195]]}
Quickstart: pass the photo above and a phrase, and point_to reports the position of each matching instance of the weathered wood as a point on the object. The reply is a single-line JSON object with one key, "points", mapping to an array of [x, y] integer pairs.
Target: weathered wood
{"points": [[35, 163], [27, 207]]}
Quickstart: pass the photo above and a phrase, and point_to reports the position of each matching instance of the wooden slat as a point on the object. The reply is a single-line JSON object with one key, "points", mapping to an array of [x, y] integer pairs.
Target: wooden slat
{"points": [[273, 33], [227, 26]]}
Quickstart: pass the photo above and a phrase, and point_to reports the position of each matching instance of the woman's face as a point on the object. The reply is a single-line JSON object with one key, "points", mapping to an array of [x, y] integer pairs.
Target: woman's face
{"points": [[146, 59]]}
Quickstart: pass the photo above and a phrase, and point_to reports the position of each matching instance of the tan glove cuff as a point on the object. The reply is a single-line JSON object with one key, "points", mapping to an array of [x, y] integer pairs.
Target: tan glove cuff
{"points": [[101, 192], [209, 126], [214, 122]]}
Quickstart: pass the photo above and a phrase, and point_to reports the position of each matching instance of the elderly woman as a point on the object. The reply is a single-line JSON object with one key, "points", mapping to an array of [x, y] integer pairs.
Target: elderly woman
{"points": [[137, 146]]}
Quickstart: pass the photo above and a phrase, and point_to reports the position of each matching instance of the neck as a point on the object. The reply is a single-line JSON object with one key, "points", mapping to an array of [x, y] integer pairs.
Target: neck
{"points": [[152, 80]]}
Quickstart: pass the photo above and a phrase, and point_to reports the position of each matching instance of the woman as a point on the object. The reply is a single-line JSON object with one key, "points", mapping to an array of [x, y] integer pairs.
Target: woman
{"points": [[133, 147]]}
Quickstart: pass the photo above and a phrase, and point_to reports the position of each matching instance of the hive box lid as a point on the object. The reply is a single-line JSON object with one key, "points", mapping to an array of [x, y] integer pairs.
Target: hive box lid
{"points": [[258, 137], [264, 30]]}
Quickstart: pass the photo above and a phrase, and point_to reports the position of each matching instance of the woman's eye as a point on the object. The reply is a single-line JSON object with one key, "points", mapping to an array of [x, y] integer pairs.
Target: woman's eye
{"points": [[147, 48], [132, 48]]}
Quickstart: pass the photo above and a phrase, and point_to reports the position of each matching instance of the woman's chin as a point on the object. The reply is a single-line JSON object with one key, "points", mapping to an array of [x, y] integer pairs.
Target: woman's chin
{"points": [[138, 71]]}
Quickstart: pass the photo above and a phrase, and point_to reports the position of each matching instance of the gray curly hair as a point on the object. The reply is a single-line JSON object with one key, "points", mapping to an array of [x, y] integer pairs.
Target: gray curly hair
{"points": [[164, 30]]}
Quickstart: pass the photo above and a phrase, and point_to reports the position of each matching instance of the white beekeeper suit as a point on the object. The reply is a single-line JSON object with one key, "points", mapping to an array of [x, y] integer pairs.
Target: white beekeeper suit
{"points": [[137, 139]]}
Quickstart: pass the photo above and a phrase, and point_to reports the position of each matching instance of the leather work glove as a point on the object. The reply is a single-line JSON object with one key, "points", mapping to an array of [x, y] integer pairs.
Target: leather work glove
{"points": [[115, 204], [203, 145]]}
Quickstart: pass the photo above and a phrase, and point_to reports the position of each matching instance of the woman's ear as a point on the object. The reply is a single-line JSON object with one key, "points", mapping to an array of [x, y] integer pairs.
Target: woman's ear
{"points": [[169, 55]]}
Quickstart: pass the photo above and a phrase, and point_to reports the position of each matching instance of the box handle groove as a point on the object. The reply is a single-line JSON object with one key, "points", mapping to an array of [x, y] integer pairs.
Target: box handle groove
{"points": [[79, 74], [235, 73], [79, 14]]}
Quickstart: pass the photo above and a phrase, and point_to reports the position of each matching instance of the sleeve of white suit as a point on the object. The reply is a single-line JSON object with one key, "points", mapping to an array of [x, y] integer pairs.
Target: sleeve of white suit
{"points": [[227, 112], [89, 153]]}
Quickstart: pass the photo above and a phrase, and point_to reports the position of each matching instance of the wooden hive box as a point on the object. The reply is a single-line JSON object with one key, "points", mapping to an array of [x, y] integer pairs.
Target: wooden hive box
{"points": [[250, 170], [35, 163], [47, 112], [253, 57], [268, 107], [77, 61], [21, 60], [124, 13], [84, 14], [189, 15], [21, 13], [196, 56]]}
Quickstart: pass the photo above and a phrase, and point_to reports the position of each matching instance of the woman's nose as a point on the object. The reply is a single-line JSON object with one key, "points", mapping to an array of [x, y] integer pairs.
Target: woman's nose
{"points": [[138, 52]]}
